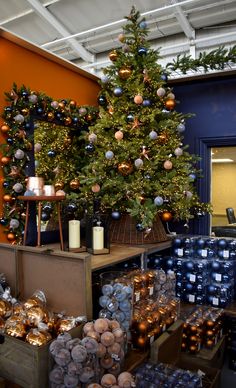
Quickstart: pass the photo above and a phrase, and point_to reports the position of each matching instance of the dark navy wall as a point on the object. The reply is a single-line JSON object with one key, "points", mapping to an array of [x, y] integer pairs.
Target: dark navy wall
{"points": [[213, 102]]}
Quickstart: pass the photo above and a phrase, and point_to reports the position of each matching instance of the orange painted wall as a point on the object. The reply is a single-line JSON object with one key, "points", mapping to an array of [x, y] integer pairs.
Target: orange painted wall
{"points": [[38, 72]]}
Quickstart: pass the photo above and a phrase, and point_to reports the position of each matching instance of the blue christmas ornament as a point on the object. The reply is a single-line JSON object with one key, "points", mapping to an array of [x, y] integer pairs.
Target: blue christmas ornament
{"points": [[6, 184], [146, 103], [192, 177], [158, 201], [39, 111], [3, 221], [164, 77], [115, 215], [109, 155], [130, 118], [118, 91], [222, 243], [51, 153], [28, 125], [10, 141], [143, 25], [139, 227], [89, 148], [102, 100], [142, 51]]}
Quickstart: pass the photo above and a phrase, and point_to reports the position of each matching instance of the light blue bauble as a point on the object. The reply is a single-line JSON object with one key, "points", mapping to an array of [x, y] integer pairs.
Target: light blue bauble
{"points": [[118, 91], [158, 201], [138, 163], [143, 25], [14, 223], [153, 135], [192, 177], [109, 155], [181, 128]]}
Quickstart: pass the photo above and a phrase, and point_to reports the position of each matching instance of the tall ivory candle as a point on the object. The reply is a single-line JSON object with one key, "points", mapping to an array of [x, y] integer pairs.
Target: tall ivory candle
{"points": [[74, 234], [98, 237]]}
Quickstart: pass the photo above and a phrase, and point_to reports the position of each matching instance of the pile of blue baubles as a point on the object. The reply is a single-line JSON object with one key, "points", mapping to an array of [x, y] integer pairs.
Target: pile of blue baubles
{"points": [[205, 269]]}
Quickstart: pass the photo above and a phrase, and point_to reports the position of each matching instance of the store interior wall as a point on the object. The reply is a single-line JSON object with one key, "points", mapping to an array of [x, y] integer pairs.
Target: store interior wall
{"points": [[36, 71]]}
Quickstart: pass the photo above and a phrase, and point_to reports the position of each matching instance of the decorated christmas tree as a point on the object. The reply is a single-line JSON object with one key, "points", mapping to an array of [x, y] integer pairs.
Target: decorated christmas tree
{"points": [[138, 163]]}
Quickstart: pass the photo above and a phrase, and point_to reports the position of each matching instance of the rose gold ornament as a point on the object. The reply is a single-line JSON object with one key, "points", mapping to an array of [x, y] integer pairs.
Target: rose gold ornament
{"points": [[119, 135], [125, 168], [168, 165], [138, 99], [96, 188], [61, 105]]}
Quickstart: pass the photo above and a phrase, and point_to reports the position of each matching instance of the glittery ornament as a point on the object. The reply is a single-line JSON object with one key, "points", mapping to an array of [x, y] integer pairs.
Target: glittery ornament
{"points": [[33, 98], [180, 128], [54, 104], [161, 92], [168, 165], [178, 151], [92, 137], [138, 163], [125, 168], [19, 154]]}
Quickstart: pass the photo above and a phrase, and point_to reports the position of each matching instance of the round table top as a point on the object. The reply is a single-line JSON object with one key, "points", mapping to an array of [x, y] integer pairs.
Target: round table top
{"points": [[48, 198]]}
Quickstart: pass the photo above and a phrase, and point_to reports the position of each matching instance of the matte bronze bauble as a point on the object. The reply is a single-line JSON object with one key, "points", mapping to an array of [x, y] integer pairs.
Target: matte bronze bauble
{"points": [[125, 72], [166, 216], [11, 236], [5, 308], [162, 138], [59, 185], [75, 184], [38, 338], [125, 168], [170, 104], [16, 329], [113, 55], [7, 198], [5, 160], [5, 128]]}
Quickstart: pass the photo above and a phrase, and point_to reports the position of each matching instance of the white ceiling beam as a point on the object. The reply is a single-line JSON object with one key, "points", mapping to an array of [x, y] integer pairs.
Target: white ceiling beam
{"points": [[46, 15], [183, 21]]}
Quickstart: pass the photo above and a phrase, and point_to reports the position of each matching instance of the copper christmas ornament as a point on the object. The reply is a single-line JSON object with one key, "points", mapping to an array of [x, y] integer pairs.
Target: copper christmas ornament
{"points": [[7, 198], [37, 314], [113, 55], [38, 338], [16, 329], [166, 216], [170, 104], [11, 236], [125, 72], [74, 184], [5, 308], [67, 120], [125, 168], [5, 160], [65, 324], [59, 185], [50, 116], [5, 128]]}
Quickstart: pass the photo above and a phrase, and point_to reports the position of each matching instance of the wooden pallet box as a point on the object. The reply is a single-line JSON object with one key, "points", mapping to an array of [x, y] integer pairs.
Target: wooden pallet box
{"points": [[27, 365], [167, 349]]}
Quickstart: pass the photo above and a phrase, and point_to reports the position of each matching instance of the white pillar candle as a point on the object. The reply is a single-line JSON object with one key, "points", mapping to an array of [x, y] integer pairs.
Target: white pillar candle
{"points": [[98, 237], [74, 234]]}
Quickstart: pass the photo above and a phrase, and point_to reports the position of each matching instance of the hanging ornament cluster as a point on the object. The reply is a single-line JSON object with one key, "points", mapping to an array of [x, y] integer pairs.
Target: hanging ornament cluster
{"points": [[18, 153]]}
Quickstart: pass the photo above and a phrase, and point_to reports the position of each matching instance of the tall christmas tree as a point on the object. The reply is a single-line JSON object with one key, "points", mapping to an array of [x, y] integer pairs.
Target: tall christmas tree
{"points": [[138, 163]]}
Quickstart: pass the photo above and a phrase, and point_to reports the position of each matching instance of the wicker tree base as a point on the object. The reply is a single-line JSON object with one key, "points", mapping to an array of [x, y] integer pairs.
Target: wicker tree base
{"points": [[124, 232]]}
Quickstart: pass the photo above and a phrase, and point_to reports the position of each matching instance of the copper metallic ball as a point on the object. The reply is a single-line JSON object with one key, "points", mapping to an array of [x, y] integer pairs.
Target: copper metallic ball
{"points": [[113, 55], [61, 105], [5, 128], [73, 103], [33, 301], [7, 198], [59, 185], [16, 329], [5, 160], [50, 116], [125, 72], [37, 338], [11, 236], [166, 216], [75, 184], [5, 308], [64, 324], [68, 120], [193, 349], [125, 168], [170, 104], [37, 314]]}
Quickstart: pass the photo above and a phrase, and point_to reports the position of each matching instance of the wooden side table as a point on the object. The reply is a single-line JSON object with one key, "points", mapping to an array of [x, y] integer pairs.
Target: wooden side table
{"points": [[38, 199]]}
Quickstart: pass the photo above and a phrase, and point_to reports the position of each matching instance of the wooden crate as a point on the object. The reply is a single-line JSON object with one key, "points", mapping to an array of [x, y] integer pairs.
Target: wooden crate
{"points": [[167, 349], [25, 364]]}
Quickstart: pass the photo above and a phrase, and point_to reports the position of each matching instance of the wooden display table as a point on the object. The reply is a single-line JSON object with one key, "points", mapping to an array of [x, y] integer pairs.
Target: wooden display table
{"points": [[38, 199]]}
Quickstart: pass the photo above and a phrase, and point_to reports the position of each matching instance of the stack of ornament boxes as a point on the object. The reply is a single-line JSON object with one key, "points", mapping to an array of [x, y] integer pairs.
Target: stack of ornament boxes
{"points": [[205, 269]]}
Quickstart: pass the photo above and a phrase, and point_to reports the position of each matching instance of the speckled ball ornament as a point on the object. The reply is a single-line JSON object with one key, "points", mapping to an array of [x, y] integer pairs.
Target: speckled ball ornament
{"points": [[55, 104], [178, 151], [33, 98], [82, 111], [180, 128], [119, 135], [168, 165], [109, 155], [171, 96], [19, 118], [138, 99], [18, 187], [161, 92], [153, 135], [14, 223], [138, 163], [92, 137], [19, 154], [158, 201]]}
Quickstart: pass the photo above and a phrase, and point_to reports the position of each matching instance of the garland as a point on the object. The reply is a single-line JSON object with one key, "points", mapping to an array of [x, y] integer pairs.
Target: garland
{"points": [[217, 59], [25, 111]]}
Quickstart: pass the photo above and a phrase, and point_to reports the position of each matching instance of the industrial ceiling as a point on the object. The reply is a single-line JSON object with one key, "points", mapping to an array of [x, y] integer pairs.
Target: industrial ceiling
{"points": [[84, 31]]}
